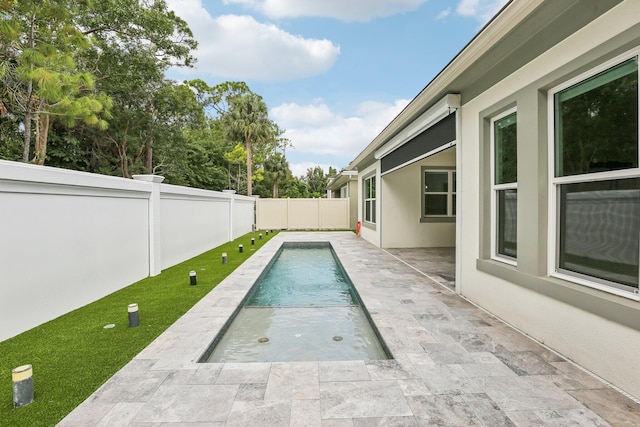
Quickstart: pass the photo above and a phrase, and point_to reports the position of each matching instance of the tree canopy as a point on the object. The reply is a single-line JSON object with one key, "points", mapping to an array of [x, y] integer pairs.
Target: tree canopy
{"points": [[83, 86]]}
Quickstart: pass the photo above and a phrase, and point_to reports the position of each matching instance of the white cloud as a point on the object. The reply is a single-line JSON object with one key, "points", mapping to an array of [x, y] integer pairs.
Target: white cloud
{"points": [[351, 10], [444, 13], [316, 129], [241, 48], [482, 10]]}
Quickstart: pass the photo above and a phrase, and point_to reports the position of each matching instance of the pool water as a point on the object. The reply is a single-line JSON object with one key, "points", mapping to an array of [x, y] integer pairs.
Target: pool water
{"points": [[302, 308]]}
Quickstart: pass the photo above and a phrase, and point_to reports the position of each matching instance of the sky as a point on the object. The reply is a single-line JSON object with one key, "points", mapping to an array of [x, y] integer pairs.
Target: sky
{"points": [[333, 73]]}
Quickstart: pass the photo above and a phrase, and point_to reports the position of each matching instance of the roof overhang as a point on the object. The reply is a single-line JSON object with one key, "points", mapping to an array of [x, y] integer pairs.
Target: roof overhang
{"points": [[341, 179]]}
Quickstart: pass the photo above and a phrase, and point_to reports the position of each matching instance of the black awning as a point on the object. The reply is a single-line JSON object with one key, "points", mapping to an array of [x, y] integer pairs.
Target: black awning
{"points": [[415, 149]]}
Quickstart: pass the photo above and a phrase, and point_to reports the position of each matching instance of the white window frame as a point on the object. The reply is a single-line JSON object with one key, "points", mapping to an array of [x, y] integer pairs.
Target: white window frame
{"points": [[366, 199], [556, 182], [451, 192], [494, 191]]}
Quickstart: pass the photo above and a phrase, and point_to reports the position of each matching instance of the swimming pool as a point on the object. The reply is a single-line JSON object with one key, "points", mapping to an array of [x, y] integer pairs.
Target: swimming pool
{"points": [[303, 307]]}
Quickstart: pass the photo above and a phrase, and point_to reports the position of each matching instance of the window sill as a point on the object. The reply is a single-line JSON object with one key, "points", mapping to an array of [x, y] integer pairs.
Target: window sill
{"points": [[620, 309], [505, 260], [595, 285], [427, 219]]}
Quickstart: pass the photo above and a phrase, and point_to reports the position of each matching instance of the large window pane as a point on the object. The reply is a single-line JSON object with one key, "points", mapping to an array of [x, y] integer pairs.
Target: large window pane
{"points": [[599, 229], [506, 155], [370, 199], [438, 197], [372, 194], [597, 123], [507, 242], [435, 204], [436, 182]]}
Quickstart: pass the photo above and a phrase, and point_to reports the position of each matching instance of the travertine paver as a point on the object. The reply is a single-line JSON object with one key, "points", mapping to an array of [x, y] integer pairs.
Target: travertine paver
{"points": [[453, 364]]}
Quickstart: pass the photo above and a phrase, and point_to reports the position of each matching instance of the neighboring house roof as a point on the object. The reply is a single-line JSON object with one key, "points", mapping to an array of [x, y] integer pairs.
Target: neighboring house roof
{"points": [[340, 180], [520, 32]]}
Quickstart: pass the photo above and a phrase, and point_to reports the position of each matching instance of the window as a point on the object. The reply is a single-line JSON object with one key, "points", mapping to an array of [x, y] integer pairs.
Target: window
{"points": [[370, 199], [504, 164], [596, 179], [439, 194]]}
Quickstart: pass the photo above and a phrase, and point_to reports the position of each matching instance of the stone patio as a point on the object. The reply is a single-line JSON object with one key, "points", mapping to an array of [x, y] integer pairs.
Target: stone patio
{"points": [[454, 364]]}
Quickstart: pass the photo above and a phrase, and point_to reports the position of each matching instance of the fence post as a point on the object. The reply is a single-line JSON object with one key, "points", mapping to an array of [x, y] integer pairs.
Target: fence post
{"points": [[155, 248], [232, 201]]}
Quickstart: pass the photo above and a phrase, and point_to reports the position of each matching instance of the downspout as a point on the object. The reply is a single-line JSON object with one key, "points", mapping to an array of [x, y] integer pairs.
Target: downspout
{"points": [[459, 196], [379, 202]]}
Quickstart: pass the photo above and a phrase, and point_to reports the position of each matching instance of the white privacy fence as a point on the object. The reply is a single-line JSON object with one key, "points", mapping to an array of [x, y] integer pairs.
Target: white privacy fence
{"points": [[302, 214], [69, 238]]}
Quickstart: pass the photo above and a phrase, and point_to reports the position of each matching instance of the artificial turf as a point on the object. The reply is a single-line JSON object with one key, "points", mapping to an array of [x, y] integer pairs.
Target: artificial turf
{"points": [[74, 354]]}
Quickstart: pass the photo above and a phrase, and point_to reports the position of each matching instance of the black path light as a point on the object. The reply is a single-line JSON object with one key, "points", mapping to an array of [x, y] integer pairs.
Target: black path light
{"points": [[192, 278], [22, 378], [134, 317], [224, 257]]}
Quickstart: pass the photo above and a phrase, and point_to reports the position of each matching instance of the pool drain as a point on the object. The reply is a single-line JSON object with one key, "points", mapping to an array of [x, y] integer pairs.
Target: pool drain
{"points": [[337, 338], [263, 340]]}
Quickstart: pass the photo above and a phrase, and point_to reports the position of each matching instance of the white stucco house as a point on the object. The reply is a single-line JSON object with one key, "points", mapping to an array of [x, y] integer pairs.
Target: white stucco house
{"points": [[523, 154]]}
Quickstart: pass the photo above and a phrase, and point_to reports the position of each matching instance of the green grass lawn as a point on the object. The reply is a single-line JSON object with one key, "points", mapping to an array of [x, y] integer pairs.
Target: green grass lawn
{"points": [[73, 355]]}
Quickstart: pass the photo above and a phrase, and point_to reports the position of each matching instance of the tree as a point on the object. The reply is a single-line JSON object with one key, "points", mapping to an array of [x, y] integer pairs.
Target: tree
{"points": [[294, 188], [135, 42], [237, 156], [39, 43], [247, 121], [216, 98], [317, 181], [276, 171]]}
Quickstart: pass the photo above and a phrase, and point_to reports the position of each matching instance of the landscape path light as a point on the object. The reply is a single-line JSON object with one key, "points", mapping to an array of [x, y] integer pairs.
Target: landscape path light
{"points": [[22, 378], [134, 317], [192, 278]]}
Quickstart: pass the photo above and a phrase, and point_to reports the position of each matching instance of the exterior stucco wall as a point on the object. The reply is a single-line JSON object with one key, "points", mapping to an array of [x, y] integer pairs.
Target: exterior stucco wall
{"points": [[352, 194], [597, 329], [401, 210]]}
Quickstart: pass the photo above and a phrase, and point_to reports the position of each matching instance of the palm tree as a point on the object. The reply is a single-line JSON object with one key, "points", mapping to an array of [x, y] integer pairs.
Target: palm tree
{"points": [[276, 170], [247, 121]]}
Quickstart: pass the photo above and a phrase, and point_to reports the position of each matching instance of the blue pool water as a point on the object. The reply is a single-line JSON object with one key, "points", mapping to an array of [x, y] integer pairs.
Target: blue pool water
{"points": [[302, 308]]}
